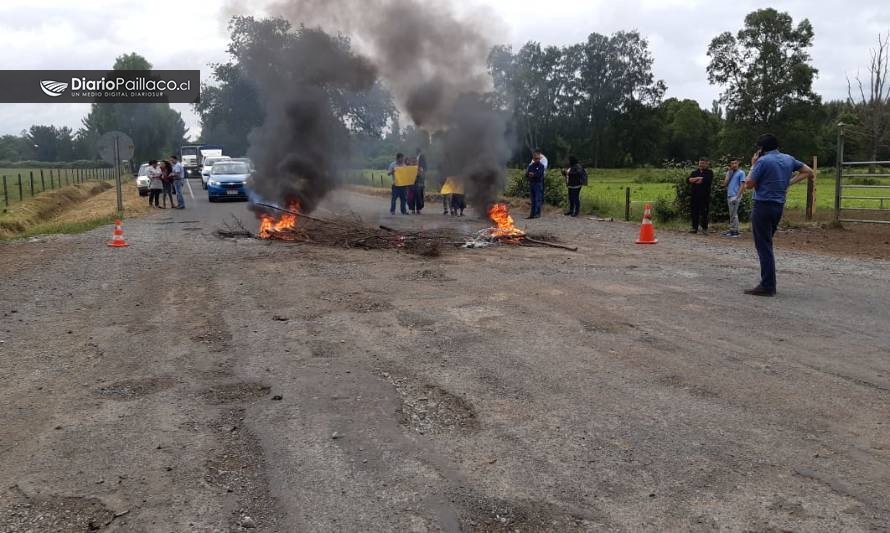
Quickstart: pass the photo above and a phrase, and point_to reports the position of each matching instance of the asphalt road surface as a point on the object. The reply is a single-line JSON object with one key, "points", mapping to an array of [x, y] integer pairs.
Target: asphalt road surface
{"points": [[192, 383]]}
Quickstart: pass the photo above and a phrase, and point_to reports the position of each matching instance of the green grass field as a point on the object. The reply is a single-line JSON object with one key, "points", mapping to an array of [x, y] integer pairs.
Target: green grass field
{"points": [[43, 180], [605, 194]]}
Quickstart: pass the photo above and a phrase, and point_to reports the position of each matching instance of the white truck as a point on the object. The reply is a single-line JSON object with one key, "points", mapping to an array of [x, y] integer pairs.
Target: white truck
{"points": [[192, 157]]}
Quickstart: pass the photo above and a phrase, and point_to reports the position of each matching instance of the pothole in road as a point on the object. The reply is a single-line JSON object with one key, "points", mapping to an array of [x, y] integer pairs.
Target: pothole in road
{"points": [[235, 392], [485, 514], [54, 514], [135, 388], [430, 409]]}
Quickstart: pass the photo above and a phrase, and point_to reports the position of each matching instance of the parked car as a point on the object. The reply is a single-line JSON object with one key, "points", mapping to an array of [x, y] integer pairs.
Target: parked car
{"points": [[227, 179], [207, 164], [142, 181]]}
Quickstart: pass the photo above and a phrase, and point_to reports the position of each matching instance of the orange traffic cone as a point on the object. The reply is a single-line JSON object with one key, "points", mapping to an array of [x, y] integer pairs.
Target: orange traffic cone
{"points": [[647, 230], [118, 240]]}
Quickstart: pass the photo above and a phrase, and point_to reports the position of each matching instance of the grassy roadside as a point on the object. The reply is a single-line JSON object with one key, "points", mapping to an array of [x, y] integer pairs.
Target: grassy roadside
{"points": [[72, 209]]}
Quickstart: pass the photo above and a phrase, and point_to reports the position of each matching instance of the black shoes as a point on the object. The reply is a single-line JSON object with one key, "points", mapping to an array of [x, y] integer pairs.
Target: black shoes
{"points": [[760, 291]]}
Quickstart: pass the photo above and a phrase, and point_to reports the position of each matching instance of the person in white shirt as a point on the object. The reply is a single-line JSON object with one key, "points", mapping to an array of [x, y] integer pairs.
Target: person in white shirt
{"points": [[155, 185], [178, 181], [543, 161]]}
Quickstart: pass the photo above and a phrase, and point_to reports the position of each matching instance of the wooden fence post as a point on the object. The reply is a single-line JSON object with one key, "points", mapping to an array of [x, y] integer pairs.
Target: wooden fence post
{"points": [[811, 190], [627, 204]]}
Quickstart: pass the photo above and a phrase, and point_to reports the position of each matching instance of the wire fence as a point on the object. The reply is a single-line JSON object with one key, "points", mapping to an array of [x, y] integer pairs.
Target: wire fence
{"points": [[21, 184]]}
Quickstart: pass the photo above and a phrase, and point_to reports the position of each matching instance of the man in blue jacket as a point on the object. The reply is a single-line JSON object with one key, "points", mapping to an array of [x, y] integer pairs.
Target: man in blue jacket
{"points": [[535, 174], [770, 177]]}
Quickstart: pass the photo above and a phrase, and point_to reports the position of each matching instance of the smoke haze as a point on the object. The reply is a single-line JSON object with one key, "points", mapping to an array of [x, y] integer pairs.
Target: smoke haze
{"points": [[433, 61]]}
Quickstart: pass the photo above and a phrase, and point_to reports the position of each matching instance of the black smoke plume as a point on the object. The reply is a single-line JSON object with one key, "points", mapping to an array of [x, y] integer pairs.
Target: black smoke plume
{"points": [[435, 63], [305, 82]]}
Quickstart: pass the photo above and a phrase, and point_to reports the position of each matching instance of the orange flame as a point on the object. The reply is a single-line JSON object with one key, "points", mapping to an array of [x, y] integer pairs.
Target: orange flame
{"points": [[271, 228], [504, 226]]}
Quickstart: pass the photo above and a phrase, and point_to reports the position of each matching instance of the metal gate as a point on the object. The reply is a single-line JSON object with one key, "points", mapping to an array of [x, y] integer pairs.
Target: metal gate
{"points": [[860, 195]]}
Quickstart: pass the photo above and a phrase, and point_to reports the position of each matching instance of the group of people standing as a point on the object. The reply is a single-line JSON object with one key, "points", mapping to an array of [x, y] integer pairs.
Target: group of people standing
{"points": [[772, 173], [575, 178], [409, 194], [165, 178], [702, 180]]}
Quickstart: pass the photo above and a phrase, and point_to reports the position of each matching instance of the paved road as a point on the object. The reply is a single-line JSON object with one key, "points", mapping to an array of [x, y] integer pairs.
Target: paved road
{"points": [[188, 382]]}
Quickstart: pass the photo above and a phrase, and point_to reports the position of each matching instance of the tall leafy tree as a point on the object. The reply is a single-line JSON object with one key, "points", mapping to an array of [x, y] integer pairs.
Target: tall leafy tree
{"points": [[689, 131], [51, 143], [616, 77], [766, 78]]}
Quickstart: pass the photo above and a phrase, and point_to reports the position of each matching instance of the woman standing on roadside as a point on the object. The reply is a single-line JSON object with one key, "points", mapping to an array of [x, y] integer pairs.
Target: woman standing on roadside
{"points": [[167, 178], [155, 184], [576, 177]]}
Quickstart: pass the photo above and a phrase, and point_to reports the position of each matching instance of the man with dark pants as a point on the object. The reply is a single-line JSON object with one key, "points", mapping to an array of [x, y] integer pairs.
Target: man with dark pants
{"points": [[770, 178], [399, 192], [535, 174], [700, 197], [420, 184]]}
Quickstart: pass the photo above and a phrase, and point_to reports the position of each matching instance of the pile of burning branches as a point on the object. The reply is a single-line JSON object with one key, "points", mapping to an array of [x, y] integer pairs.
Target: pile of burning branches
{"points": [[506, 232], [343, 231], [351, 232]]}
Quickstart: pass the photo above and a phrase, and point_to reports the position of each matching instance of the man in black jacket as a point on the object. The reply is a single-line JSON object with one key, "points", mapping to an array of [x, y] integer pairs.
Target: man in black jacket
{"points": [[700, 196]]}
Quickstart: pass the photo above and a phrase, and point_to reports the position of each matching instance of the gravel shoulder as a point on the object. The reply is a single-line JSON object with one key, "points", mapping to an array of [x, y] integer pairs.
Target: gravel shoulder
{"points": [[188, 383]]}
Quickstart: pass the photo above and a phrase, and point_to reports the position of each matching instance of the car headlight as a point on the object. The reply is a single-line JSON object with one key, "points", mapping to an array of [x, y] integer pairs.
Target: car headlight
{"points": [[212, 182]]}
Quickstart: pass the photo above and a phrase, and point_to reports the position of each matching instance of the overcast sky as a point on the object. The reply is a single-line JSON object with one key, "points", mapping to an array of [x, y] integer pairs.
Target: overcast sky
{"points": [[184, 34]]}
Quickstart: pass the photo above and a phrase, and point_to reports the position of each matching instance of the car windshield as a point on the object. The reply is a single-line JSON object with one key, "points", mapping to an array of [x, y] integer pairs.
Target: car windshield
{"points": [[143, 170], [210, 161], [230, 168]]}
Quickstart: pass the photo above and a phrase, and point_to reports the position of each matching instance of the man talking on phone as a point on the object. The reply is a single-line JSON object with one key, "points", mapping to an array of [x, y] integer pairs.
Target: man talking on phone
{"points": [[770, 177]]}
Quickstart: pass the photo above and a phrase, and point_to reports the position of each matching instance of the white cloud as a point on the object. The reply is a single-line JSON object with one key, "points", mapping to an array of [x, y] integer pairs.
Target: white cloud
{"points": [[183, 34]]}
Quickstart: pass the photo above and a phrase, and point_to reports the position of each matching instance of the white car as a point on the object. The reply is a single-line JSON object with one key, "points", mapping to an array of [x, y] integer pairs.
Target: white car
{"points": [[142, 181], [207, 164]]}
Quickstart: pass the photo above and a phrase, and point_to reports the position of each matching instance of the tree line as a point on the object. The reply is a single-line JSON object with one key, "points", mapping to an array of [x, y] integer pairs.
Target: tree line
{"points": [[598, 99]]}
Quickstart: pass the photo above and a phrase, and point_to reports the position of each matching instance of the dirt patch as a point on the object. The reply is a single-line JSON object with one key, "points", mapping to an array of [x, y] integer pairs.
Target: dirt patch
{"points": [[235, 392], [237, 470], [132, 389], [591, 326], [355, 302], [678, 382], [430, 409], [853, 240], [216, 339], [324, 349], [483, 514], [413, 319], [53, 514], [425, 275]]}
